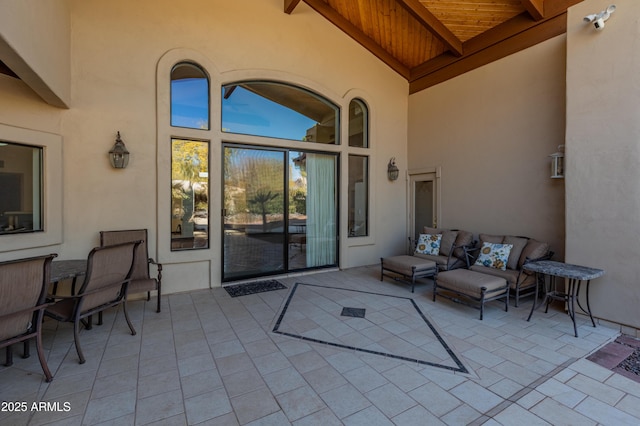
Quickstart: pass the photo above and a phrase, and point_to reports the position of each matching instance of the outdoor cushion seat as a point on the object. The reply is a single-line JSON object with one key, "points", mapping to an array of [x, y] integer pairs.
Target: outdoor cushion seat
{"points": [[451, 254], [521, 283], [409, 267], [471, 285]]}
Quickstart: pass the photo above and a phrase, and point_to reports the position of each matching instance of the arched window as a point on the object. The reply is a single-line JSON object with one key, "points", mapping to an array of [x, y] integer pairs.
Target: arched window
{"points": [[189, 96], [278, 110], [358, 124]]}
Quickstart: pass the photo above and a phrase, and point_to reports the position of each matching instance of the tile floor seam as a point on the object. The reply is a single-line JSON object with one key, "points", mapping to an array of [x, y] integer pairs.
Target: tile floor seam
{"points": [[511, 400]]}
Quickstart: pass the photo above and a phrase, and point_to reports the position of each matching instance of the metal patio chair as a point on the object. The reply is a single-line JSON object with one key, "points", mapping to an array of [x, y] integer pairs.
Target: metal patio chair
{"points": [[105, 285], [141, 279], [23, 292]]}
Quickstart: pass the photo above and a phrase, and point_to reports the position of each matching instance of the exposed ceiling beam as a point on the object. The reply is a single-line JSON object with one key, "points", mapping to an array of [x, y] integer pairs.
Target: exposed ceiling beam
{"points": [[289, 5], [427, 19], [535, 8], [354, 32], [456, 66]]}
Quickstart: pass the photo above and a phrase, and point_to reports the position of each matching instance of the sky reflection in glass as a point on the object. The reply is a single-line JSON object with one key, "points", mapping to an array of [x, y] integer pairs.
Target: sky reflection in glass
{"points": [[247, 113], [190, 103]]}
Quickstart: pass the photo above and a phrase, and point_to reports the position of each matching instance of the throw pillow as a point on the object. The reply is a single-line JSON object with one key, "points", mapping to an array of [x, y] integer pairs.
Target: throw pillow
{"points": [[494, 255], [429, 244]]}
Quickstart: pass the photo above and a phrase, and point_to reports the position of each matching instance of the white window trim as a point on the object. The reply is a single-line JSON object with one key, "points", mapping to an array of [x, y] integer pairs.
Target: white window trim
{"points": [[52, 192]]}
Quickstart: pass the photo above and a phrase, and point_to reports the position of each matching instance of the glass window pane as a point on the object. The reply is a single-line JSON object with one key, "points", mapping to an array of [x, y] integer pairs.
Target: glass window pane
{"points": [[20, 188], [358, 196], [189, 194], [278, 110], [358, 124], [189, 97]]}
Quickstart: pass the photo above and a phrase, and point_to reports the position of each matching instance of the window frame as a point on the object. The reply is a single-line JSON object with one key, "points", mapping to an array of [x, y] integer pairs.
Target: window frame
{"points": [[52, 190]]}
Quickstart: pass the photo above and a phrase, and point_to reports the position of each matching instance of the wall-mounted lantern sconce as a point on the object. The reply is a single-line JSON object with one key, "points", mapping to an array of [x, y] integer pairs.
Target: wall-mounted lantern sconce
{"points": [[119, 156], [557, 163], [392, 169]]}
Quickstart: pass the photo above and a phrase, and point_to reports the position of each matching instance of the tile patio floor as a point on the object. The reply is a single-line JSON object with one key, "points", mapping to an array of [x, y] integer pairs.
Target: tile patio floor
{"points": [[215, 360]]}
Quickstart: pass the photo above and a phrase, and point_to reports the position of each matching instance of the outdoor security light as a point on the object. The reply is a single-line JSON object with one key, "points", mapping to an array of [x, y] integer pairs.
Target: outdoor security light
{"points": [[119, 156]]}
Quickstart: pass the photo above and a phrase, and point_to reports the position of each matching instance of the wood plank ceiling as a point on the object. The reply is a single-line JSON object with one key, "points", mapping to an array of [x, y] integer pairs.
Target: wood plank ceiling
{"points": [[431, 41]]}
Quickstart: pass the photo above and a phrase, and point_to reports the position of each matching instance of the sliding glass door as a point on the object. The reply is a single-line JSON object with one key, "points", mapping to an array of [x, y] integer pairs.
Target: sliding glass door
{"points": [[280, 211]]}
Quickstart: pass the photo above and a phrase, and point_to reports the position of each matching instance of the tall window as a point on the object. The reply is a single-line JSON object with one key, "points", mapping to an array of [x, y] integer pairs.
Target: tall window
{"points": [[189, 194], [358, 195], [358, 124], [20, 188], [358, 214], [189, 96], [277, 110], [189, 158]]}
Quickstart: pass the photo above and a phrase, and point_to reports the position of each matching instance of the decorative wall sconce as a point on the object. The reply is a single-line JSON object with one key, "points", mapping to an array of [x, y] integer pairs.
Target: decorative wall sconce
{"points": [[119, 156], [557, 163], [392, 169]]}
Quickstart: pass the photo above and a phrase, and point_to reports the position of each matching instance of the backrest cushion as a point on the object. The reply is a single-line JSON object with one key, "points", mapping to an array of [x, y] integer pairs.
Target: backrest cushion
{"points": [[486, 238], [494, 255], [518, 244], [533, 250], [464, 238], [448, 238]]}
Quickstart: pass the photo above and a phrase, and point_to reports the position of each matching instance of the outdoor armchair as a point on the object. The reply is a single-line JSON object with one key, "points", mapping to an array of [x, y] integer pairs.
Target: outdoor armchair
{"points": [[105, 285], [23, 291], [141, 279]]}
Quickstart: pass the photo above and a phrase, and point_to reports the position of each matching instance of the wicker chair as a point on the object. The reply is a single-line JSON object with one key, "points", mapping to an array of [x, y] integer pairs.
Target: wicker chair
{"points": [[141, 279], [105, 285], [23, 291]]}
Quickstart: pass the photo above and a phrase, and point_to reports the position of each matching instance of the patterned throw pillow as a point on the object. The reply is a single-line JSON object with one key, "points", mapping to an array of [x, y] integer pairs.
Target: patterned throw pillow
{"points": [[494, 255], [429, 244]]}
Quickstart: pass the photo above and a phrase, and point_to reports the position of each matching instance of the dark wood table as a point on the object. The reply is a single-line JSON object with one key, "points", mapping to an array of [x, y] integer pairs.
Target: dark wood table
{"points": [[67, 270], [575, 274]]}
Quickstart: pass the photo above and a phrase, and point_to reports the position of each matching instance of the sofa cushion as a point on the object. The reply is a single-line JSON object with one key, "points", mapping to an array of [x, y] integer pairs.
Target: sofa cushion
{"points": [[510, 275], [444, 263], [518, 244], [448, 239], [464, 238], [533, 250], [429, 244], [494, 255], [486, 238]]}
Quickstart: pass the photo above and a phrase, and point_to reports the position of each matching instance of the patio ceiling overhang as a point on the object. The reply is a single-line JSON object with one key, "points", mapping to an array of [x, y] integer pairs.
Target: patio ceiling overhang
{"points": [[431, 41]]}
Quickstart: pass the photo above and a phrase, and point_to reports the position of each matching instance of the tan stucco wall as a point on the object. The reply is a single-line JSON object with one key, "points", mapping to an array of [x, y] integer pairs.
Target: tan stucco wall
{"points": [[491, 131], [116, 48], [35, 43], [603, 156]]}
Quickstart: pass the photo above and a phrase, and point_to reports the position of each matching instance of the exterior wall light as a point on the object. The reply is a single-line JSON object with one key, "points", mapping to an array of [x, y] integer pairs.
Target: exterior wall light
{"points": [[557, 163], [392, 169], [119, 156]]}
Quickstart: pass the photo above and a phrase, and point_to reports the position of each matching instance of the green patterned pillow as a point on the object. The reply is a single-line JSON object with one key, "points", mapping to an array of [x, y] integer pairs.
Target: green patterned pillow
{"points": [[494, 255], [429, 244]]}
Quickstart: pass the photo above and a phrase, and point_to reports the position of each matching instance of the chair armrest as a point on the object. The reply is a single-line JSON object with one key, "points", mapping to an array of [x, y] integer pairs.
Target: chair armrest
{"points": [[470, 254], [153, 262]]}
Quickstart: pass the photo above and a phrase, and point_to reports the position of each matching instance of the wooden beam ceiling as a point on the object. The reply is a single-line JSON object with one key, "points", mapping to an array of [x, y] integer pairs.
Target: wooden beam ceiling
{"points": [[430, 41]]}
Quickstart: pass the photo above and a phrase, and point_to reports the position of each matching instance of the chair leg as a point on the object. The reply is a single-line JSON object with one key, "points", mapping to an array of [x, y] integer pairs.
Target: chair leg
{"points": [[76, 338], [43, 361], [26, 350], [126, 315], [158, 309], [9, 357]]}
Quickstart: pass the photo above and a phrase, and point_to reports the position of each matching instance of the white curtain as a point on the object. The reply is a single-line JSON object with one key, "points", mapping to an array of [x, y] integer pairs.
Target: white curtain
{"points": [[321, 210]]}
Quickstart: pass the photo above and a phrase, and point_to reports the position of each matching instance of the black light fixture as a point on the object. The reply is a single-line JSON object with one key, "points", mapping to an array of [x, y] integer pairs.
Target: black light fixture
{"points": [[119, 156], [392, 169]]}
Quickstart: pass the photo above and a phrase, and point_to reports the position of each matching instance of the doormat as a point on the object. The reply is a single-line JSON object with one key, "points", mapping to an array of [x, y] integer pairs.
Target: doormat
{"points": [[253, 288]]}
